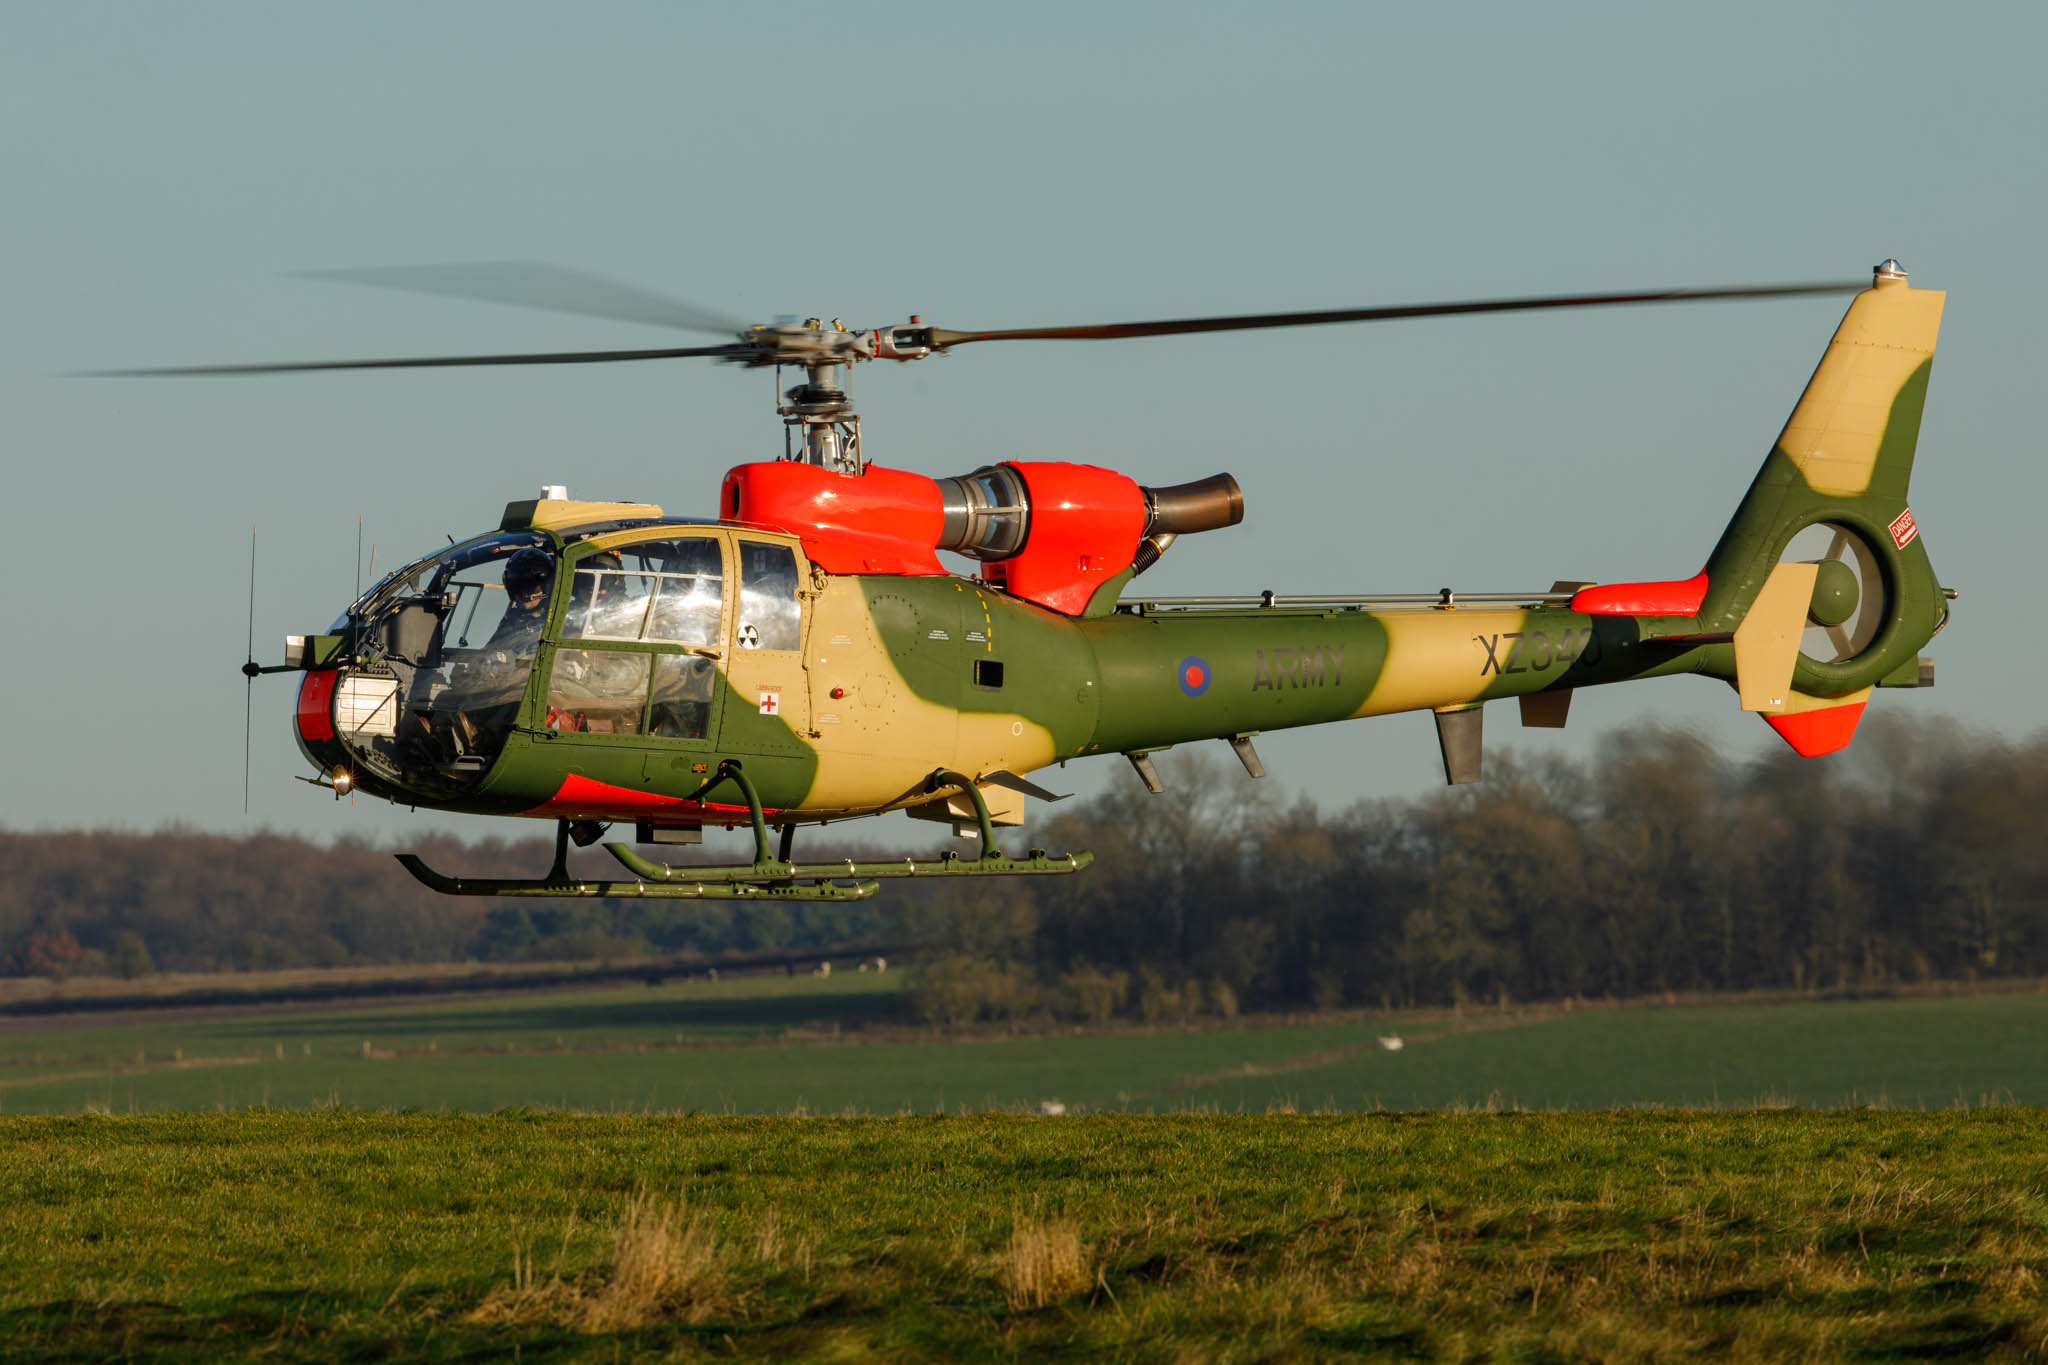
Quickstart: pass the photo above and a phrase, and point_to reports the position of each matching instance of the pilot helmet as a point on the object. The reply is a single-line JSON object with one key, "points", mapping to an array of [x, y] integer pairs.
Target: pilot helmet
{"points": [[527, 570]]}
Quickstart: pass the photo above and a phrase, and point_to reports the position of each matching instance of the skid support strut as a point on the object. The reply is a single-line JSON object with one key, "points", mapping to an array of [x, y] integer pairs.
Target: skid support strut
{"points": [[766, 878], [992, 862], [771, 876]]}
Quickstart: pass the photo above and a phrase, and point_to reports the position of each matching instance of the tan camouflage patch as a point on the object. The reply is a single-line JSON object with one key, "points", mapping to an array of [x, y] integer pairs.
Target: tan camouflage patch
{"points": [[1833, 435], [880, 735], [1436, 658]]}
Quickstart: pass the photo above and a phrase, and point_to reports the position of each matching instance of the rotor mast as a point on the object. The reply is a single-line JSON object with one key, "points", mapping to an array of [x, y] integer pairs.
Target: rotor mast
{"points": [[820, 426]]}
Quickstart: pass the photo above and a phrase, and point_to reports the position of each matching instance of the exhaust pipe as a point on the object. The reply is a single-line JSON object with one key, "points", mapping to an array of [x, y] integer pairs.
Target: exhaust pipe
{"points": [[1204, 505]]}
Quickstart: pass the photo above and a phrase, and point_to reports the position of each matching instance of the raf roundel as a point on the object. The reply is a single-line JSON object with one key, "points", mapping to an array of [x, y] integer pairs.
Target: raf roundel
{"points": [[1194, 675]]}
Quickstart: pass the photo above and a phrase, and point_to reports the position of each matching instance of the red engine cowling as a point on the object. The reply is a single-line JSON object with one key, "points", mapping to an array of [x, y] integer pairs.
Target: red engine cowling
{"points": [[1051, 532]]}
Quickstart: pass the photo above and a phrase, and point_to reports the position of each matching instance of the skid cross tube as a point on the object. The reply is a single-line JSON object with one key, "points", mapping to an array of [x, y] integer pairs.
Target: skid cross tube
{"points": [[777, 873], [766, 878]]}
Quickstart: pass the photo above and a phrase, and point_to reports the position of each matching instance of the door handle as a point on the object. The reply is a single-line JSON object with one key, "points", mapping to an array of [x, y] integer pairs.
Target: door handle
{"points": [[704, 653]]}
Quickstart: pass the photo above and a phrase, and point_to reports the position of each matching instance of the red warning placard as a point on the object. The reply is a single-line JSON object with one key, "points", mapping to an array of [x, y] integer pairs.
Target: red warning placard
{"points": [[1903, 530]]}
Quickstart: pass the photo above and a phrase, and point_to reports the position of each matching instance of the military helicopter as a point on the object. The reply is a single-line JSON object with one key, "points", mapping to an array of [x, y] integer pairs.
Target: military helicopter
{"points": [[804, 656]]}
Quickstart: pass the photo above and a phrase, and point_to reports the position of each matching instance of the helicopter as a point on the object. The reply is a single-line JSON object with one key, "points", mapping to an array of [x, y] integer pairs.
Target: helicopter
{"points": [[804, 656]]}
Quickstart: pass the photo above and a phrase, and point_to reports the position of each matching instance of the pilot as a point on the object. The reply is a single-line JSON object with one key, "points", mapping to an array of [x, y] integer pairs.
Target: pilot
{"points": [[528, 576], [483, 695]]}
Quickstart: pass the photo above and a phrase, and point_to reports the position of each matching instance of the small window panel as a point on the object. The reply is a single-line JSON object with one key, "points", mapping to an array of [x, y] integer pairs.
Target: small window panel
{"points": [[988, 673], [770, 615], [681, 706], [598, 691], [667, 590], [606, 605]]}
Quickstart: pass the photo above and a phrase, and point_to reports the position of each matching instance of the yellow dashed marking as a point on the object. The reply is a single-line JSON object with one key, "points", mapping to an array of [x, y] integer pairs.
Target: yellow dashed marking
{"points": [[988, 623]]}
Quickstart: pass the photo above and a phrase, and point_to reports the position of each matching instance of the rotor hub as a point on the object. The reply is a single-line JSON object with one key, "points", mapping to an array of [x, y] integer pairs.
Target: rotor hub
{"points": [[1835, 594]]}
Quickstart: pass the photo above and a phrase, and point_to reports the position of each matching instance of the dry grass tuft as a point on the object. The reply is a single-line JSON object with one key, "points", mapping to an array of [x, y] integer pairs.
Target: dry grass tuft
{"points": [[665, 1266], [1047, 1262]]}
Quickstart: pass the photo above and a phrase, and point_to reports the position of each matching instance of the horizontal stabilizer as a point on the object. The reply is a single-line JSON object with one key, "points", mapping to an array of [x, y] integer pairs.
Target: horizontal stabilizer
{"points": [[1767, 641]]}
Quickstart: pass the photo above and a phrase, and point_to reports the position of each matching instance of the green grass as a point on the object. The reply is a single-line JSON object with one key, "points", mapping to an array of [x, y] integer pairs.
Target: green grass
{"points": [[1768, 1235], [837, 1045]]}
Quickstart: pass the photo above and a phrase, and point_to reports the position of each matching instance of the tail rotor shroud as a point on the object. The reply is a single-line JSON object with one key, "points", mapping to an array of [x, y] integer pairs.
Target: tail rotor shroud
{"points": [[1850, 596]]}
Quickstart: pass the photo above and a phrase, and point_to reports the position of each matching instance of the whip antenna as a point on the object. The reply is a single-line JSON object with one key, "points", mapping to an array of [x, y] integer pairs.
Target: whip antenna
{"points": [[249, 671]]}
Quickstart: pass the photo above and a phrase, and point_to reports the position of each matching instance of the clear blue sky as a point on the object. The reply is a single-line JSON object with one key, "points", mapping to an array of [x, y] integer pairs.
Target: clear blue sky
{"points": [[166, 167]]}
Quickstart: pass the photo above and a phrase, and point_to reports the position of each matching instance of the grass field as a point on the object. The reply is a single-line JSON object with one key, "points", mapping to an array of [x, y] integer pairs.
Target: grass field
{"points": [[839, 1045], [1766, 1235]]}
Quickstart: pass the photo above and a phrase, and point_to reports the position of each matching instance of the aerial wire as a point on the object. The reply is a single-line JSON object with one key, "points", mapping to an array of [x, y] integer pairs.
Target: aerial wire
{"points": [[249, 674]]}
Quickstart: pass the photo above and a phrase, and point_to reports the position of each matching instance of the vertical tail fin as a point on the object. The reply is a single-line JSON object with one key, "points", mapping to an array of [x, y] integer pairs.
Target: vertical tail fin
{"points": [[1825, 546], [1821, 579]]}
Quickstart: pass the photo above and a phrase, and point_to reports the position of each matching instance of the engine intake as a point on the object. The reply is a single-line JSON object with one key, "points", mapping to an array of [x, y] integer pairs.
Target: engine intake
{"points": [[988, 513]]}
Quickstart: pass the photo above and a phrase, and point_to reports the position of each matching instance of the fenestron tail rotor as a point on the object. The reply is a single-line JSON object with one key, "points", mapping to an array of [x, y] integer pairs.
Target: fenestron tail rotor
{"points": [[1850, 599]]}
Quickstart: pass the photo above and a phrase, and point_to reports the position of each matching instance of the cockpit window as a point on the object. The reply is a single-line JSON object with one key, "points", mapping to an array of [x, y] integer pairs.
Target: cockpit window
{"points": [[447, 645], [672, 591]]}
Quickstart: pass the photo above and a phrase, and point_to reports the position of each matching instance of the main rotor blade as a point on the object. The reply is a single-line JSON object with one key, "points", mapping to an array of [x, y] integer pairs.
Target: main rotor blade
{"points": [[535, 284], [424, 362], [1116, 331]]}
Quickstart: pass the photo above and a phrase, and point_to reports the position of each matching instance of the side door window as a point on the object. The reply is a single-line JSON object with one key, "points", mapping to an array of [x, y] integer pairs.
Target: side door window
{"points": [[770, 617], [628, 663]]}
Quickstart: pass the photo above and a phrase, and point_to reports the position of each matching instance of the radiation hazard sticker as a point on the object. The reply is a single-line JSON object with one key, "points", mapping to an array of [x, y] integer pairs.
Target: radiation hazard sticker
{"points": [[771, 701], [1903, 530]]}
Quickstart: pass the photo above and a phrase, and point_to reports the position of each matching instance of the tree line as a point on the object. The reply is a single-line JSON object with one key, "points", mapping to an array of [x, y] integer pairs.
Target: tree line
{"points": [[1657, 864]]}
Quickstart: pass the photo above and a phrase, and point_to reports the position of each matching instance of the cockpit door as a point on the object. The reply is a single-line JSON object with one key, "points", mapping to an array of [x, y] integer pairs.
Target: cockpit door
{"points": [[634, 667]]}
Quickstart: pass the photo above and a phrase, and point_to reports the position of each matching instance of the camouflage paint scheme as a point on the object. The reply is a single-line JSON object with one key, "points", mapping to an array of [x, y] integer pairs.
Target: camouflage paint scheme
{"points": [[885, 689]]}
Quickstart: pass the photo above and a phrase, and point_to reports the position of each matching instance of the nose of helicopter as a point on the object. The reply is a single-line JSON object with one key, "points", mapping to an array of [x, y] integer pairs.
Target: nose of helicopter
{"points": [[314, 715], [313, 728]]}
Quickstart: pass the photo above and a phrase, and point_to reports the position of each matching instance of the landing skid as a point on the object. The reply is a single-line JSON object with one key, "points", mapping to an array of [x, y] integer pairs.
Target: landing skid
{"points": [[769, 876]]}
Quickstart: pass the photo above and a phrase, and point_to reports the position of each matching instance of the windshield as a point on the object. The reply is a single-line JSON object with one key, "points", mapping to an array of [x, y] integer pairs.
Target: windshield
{"points": [[448, 642]]}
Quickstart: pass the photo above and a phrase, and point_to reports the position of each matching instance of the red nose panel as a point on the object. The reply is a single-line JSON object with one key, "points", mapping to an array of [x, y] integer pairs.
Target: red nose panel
{"points": [[316, 706]]}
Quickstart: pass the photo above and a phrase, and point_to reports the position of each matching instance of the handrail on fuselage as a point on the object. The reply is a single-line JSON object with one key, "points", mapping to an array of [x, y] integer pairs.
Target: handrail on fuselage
{"points": [[1437, 601]]}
